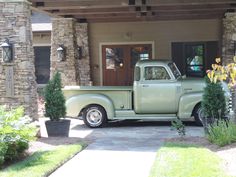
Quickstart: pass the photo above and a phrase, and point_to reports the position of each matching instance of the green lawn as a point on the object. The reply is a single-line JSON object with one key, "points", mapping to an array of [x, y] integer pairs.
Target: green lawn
{"points": [[178, 160], [42, 163]]}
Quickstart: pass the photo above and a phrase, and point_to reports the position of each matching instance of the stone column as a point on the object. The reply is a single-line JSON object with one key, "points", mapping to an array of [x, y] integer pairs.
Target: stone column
{"points": [[228, 44], [229, 37], [63, 33], [84, 59], [17, 78]]}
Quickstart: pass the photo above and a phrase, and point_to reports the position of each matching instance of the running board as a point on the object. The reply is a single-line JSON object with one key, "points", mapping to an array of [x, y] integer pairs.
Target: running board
{"points": [[129, 114]]}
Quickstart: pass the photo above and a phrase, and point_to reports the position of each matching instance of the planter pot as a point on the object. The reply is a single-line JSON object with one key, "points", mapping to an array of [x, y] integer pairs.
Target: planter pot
{"points": [[58, 128]]}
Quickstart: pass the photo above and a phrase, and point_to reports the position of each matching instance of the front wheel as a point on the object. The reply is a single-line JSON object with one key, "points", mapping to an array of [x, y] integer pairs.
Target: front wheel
{"points": [[198, 115], [94, 116]]}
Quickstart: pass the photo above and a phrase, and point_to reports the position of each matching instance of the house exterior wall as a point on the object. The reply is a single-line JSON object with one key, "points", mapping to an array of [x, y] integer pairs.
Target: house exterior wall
{"points": [[162, 33], [42, 39]]}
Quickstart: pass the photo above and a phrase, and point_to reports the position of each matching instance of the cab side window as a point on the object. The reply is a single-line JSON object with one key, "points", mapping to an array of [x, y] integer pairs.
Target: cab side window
{"points": [[156, 73]]}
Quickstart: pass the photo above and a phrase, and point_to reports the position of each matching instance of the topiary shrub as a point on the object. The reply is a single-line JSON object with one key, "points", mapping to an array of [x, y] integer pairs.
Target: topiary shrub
{"points": [[213, 102], [54, 99]]}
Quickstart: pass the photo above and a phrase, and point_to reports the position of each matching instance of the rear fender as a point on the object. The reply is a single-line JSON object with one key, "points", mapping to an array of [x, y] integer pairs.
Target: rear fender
{"points": [[187, 103], [76, 104]]}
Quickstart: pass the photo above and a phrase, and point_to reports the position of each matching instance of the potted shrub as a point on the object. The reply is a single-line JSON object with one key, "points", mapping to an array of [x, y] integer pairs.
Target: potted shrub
{"points": [[55, 108], [213, 102]]}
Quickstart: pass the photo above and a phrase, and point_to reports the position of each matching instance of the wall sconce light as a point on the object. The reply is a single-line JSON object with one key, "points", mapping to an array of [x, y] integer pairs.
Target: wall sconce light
{"points": [[61, 53], [79, 50], [7, 54]]}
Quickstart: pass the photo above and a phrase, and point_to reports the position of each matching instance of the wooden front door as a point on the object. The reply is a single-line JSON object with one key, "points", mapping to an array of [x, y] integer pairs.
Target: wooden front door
{"points": [[119, 61]]}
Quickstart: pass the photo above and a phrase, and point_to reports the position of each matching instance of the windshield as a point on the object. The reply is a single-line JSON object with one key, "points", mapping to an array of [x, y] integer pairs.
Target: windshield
{"points": [[174, 70]]}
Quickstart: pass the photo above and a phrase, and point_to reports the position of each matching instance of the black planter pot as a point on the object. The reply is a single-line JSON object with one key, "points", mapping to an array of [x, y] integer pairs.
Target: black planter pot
{"points": [[58, 128]]}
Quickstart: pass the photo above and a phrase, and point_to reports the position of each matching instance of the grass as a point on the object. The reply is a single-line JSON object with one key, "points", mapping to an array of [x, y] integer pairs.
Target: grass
{"points": [[178, 160], [42, 163]]}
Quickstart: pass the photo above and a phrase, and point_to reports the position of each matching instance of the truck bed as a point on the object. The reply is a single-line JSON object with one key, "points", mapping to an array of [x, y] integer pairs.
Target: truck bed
{"points": [[121, 96]]}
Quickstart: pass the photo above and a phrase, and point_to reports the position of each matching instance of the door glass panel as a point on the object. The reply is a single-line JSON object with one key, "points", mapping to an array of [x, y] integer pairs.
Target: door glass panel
{"points": [[114, 58], [139, 53], [194, 59]]}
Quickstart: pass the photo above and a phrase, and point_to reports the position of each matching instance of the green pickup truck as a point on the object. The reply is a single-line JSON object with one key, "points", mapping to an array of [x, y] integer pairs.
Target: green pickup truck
{"points": [[159, 92]]}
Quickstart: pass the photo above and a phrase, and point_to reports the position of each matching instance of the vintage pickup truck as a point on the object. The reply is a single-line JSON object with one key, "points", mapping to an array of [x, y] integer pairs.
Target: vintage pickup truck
{"points": [[159, 92]]}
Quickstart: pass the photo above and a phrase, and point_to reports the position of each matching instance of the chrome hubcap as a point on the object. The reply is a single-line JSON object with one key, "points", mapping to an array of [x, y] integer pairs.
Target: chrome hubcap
{"points": [[94, 117]]}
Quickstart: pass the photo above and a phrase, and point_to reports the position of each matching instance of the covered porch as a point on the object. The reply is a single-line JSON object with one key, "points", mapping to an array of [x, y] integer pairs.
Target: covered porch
{"points": [[103, 39]]}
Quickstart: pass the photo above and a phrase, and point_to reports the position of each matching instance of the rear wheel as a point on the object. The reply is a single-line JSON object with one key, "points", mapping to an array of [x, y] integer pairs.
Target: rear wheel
{"points": [[94, 116], [198, 115]]}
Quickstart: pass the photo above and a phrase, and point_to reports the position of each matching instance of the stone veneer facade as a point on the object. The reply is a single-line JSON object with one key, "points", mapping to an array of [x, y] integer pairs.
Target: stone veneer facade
{"points": [[229, 37], [229, 44], [17, 78], [84, 60], [75, 70]]}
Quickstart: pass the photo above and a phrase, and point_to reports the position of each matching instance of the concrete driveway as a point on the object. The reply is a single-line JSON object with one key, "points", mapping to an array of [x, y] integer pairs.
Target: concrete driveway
{"points": [[122, 149]]}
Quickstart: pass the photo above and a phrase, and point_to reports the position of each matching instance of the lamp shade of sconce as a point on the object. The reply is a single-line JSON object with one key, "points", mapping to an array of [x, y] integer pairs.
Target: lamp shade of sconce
{"points": [[79, 50], [7, 54], [61, 53]]}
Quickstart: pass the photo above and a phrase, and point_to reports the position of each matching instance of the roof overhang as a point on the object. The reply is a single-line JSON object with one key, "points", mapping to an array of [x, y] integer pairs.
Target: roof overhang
{"points": [[135, 10]]}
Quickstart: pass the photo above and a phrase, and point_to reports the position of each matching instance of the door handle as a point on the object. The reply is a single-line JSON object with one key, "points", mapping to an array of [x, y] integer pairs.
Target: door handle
{"points": [[188, 89], [145, 85]]}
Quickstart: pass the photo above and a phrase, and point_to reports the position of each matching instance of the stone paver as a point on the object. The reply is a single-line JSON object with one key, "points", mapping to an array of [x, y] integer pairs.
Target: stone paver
{"points": [[119, 150]]}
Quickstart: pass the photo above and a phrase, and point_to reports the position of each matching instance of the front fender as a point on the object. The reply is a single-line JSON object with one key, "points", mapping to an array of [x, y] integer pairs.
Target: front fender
{"points": [[75, 104], [187, 103]]}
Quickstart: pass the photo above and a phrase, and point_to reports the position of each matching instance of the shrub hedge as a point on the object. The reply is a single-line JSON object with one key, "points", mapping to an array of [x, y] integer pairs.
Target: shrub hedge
{"points": [[15, 133]]}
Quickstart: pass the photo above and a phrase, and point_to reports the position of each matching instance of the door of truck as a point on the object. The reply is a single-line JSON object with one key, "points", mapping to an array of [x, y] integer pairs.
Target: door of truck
{"points": [[157, 91]]}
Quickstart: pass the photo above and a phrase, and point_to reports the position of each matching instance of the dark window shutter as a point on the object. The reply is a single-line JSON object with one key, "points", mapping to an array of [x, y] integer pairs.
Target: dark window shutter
{"points": [[212, 51], [178, 55]]}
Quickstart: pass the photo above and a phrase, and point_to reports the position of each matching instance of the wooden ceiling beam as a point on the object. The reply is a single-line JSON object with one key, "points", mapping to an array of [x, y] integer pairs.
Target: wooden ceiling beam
{"points": [[163, 18], [51, 4]]}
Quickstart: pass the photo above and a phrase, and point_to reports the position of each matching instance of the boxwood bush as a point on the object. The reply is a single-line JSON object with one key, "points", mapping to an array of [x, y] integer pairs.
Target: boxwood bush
{"points": [[15, 133]]}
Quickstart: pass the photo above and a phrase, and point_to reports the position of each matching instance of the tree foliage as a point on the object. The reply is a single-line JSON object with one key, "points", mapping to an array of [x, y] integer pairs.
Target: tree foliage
{"points": [[54, 99], [213, 102]]}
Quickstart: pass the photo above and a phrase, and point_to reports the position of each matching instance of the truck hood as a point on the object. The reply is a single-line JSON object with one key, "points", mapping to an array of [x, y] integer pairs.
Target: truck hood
{"points": [[193, 84]]}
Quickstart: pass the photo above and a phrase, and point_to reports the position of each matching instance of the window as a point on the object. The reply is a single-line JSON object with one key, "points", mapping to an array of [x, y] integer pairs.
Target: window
{"points": [[114, 58], [42, 64], [156, 73], [194, 58], [174, 70], [137, 73]]}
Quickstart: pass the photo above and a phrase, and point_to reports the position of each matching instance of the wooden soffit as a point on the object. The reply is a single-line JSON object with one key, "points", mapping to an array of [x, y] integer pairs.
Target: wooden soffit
{"points": [[135, 10]]}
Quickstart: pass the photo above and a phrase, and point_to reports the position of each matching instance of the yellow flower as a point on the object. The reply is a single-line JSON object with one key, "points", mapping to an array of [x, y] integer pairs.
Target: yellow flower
{"points": [[217, 60], [234, 59]]}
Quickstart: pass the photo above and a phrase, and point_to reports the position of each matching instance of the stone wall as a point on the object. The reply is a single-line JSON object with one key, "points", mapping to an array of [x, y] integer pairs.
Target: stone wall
{"points": [[75, 69], [229, 37], [84, 60], [17, 78], [63, 32], [228, 44]]}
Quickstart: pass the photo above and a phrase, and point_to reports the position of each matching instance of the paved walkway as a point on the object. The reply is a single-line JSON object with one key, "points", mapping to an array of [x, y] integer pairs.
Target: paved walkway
{"points": [[120, 150]]}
